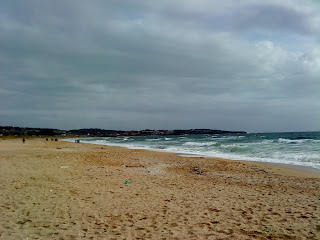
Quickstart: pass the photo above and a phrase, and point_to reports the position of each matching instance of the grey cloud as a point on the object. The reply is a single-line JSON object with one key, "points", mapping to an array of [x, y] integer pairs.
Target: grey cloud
{"points": [[273, 16], [135, 65], [276, 17]]}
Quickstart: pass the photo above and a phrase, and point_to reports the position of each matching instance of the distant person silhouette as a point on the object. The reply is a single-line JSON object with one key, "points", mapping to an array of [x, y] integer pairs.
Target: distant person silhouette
{"points": [[23, 140]]}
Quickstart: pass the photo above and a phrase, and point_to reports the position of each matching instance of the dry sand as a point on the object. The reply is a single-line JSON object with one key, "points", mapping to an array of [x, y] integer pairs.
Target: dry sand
{"points": [[165, 196]]}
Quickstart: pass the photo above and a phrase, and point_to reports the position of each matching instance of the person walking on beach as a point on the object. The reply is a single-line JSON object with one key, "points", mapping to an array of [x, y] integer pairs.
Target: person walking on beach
{"points": [[23, 140]]}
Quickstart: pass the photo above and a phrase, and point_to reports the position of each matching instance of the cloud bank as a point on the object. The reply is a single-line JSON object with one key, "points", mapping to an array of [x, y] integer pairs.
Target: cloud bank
{"points": [[234, 65]]}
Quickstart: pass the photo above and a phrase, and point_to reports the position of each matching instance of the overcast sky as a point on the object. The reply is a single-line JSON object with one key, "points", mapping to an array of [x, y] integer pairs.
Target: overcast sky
{"points": [[235, 65]]}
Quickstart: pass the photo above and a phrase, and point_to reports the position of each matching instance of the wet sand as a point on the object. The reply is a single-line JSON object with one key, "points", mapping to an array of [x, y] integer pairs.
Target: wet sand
{"points": [[62, 190]]}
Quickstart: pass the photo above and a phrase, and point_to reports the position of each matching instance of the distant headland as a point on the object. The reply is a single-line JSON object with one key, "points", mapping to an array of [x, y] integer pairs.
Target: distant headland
{"points": [[97, 132]]}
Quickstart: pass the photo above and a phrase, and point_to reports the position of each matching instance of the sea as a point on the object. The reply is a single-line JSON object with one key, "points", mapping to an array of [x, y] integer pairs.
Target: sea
{"points": [[294, 148]]}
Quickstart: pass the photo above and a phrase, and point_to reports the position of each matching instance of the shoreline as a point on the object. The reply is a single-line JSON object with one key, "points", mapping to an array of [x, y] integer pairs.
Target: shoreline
{"points": [[296, 167], [285, 165], [64, 190], [314, 172]]}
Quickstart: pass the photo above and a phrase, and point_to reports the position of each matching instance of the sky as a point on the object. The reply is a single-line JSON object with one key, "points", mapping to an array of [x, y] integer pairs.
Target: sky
{"points": [[247, 65]]}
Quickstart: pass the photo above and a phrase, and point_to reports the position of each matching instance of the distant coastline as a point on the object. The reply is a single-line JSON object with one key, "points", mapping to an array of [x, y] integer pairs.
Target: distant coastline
{"points": [[97, 132]]}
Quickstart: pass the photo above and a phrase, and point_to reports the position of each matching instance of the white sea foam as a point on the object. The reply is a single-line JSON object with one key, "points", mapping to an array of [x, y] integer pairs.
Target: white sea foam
{"points": [[199, 143], [231, 137], [284, 140]]}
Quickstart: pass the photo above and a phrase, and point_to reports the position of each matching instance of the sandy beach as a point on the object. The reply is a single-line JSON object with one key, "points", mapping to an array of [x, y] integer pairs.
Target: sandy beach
{"points": [[63, 190]]}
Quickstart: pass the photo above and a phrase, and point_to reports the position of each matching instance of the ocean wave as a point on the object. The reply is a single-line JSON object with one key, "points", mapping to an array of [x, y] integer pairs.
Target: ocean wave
{"points": [[266, 141], [230, 137], [199, 144], [285, 140], [235, 148], [167, 139]]}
